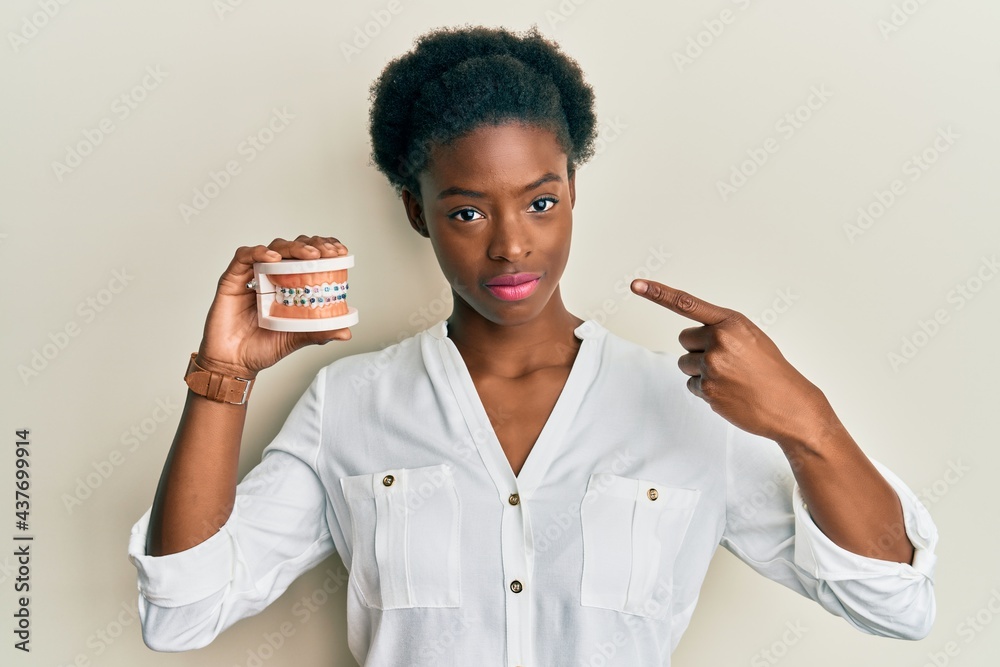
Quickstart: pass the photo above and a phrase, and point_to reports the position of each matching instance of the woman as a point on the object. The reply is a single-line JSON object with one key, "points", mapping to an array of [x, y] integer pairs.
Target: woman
{"points": [[515, 485]]}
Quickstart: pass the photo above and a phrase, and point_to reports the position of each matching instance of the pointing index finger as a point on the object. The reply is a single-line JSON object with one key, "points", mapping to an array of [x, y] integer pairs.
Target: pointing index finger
{"points": [[681, 302]]}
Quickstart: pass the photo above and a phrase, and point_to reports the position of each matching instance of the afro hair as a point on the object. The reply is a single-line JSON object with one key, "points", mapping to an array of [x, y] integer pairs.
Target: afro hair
{"points": [[458, 79]]}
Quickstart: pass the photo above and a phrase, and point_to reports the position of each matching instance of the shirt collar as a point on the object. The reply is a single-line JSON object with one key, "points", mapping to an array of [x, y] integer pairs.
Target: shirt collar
{"points": [[589, 329]]}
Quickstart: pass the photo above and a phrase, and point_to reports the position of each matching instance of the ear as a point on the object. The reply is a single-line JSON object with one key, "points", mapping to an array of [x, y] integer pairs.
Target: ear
{"points": [[414, 212]]}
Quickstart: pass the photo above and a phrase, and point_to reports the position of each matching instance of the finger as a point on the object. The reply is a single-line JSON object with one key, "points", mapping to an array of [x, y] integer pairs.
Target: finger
{"points": [[309, 247], [240, 269], [246, 256], [328, 246], [694, 386], [695, 339], [692, 363], [333, 242], [681, 302]]}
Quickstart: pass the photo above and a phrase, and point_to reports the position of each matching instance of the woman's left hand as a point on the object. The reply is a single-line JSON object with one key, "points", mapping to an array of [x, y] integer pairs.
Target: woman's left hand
{"points": [[739, 371]]}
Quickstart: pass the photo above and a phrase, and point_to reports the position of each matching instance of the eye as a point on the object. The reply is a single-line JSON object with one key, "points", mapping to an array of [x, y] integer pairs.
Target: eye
{"points": [[534, 204], [459, 215]]}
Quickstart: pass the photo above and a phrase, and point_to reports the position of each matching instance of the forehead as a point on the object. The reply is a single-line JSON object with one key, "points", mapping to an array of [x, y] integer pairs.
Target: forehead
{"points": [[493, 155]]}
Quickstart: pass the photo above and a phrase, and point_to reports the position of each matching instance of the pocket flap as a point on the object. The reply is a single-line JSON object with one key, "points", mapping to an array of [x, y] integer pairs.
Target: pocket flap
{"points": [[632, 532]]}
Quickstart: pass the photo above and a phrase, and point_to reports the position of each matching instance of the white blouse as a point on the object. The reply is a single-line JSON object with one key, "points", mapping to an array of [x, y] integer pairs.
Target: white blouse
{"points": [[593, 554]]}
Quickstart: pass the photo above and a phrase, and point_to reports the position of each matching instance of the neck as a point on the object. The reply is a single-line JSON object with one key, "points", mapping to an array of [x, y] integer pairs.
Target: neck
{"points": [[517, 348]]}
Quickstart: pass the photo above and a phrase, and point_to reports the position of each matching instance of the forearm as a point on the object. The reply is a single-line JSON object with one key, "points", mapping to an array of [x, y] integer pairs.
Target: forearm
{"points": [[197, 488], [844, 493]]}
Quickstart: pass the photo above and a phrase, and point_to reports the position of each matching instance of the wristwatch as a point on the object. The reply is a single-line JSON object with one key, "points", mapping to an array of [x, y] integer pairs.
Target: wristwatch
{"points": [[216, 386]]}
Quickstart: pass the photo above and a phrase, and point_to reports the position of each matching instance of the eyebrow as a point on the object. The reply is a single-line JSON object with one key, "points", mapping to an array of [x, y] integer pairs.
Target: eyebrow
{"points": [[549, 176]]}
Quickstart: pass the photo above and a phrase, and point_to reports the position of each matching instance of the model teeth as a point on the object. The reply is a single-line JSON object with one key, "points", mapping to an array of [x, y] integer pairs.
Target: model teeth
{"points": [[314, 296]]}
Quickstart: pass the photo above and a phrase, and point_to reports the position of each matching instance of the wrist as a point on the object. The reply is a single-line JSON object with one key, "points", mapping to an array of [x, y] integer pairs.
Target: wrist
{"points": [[223, 368], [819, 437], [223, 383]]}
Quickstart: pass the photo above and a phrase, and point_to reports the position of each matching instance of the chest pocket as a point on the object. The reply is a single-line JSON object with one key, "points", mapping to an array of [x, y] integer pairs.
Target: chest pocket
{"points": [[405, 536], [632, 532]]}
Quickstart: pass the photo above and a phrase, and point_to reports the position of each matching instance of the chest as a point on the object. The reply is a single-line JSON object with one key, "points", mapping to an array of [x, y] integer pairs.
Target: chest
{"points": [[519, 408]]}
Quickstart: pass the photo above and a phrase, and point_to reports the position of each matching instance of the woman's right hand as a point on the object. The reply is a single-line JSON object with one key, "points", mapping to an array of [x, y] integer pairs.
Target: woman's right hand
{"points": [[233, 343]]}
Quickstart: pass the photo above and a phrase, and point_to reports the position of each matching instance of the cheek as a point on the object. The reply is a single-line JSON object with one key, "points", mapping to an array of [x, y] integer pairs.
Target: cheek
{"points": [[558, 241], [452, 257]]}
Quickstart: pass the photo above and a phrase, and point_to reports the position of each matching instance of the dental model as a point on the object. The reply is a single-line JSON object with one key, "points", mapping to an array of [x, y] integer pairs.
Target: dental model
{"points": [[304, 294]]}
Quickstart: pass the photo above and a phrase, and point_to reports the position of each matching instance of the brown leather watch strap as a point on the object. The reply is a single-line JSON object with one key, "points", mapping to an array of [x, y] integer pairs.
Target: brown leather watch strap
{"points": [[216, 386]]}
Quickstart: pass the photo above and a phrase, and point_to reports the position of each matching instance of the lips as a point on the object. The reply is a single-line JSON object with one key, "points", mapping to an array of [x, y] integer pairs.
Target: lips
{"points": [[513, 278], [513, 286]]}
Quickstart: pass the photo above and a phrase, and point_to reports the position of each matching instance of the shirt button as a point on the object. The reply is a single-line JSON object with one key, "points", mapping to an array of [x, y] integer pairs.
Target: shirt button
{"points": [[514, 499], [653, 495], [516, 586], [921, 531], [388, 480]]}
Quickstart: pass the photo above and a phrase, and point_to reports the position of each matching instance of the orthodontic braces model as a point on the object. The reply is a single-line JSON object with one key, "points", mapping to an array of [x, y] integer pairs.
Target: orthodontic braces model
{"points": [[315, 296], [298, 305]]}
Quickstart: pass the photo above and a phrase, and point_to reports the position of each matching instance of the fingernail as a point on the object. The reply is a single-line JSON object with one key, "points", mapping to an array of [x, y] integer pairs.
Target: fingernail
{"points": [[640, 286]]}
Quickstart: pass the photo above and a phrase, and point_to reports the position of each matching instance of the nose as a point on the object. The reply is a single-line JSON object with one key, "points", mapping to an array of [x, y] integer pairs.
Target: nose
{"points": [[510, 237]]}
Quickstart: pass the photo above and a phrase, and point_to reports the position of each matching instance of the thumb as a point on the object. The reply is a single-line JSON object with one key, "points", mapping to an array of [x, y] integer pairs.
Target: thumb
{"points": [[301, 339], [324, 337]]}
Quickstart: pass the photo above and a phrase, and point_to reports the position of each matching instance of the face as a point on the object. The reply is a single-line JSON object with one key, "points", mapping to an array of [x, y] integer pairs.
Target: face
{"points": [[495, 202]]}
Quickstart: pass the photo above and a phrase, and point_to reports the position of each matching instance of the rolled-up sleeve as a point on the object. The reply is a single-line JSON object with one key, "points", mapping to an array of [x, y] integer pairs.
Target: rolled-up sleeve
{"points": [[768, 526], [278, 529]]}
